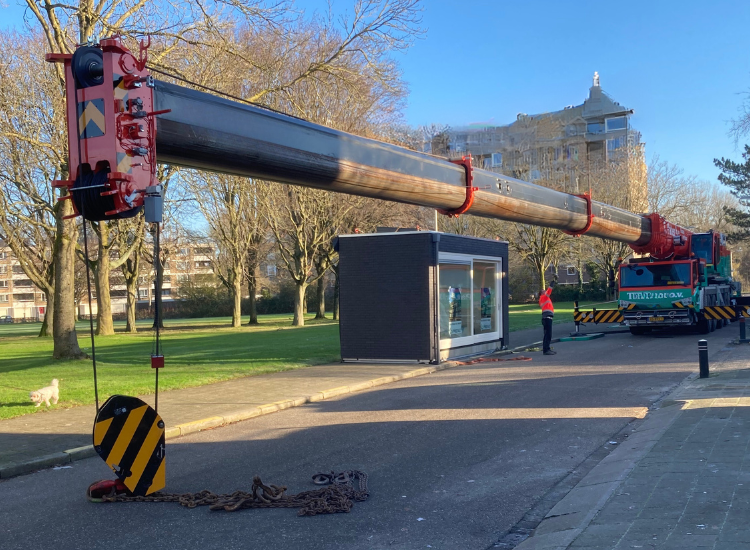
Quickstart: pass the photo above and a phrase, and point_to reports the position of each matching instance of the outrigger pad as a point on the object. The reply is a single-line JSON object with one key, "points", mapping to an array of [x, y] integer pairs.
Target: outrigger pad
{"points": [[129, 436]]}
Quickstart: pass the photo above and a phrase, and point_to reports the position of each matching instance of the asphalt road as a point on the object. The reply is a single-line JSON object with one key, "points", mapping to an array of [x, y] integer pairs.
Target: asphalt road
{"points": [[455, 459]]}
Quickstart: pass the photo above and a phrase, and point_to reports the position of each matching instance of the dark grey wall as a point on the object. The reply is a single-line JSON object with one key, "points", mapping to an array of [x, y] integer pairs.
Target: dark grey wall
{"points": [[386, 289]]}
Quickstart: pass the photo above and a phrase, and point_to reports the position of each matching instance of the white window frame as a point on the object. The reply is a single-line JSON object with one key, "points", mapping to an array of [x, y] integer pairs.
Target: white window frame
{"points": [[570, 270], [469, 259], [4, 298]]}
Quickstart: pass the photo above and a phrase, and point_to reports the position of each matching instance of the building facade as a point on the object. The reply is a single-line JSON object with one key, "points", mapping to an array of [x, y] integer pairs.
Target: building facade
{"points": [[19, 298], [558, 149]]}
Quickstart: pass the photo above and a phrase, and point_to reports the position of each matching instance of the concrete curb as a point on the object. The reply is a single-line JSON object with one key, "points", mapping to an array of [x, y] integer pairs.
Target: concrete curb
{"points": [[179, 430]]}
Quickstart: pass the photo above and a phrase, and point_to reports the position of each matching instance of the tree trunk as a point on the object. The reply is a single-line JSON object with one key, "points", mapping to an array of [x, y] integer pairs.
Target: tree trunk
{"points": [[237, 296], [321, 293], [299, 303], [336, 295], [104, 325], [49, 315], [542, 283], [131, 286], [64, 328], [252, 283]]}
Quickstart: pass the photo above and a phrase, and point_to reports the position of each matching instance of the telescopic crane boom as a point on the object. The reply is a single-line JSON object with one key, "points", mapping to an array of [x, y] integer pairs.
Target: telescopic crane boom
{"points": [[122, 122]]}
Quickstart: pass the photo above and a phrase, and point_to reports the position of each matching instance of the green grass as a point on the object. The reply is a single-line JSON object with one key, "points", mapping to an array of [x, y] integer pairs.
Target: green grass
{"points": [[523, 316], [197, 352]]}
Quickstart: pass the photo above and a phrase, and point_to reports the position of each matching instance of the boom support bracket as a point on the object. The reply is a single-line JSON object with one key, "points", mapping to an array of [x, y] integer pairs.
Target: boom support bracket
{"points": [[455, 212], [589, 215]]}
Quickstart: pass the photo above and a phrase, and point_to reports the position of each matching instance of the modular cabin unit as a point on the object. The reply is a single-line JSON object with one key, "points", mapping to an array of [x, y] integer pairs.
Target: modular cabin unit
{"points": [[421, 296]]}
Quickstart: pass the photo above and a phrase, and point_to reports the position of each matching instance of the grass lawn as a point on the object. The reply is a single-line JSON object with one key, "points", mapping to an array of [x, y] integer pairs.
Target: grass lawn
{"points": [[523, 316], [196, 351]]}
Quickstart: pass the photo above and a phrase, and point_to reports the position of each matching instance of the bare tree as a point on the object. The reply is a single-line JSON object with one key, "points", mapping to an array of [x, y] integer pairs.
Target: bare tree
{"points": [[62, 26], [31, 156], [299, 219], [131, 235], [227, 203]]}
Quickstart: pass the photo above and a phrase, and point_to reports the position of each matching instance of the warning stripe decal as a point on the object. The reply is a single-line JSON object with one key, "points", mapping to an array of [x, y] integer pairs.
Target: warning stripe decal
{"points": [[600, 316], [125, 436], [720, 312]]}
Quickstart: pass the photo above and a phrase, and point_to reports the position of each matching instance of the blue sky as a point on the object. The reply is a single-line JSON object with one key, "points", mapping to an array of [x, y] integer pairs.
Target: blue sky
{"points": [[681, 65]]}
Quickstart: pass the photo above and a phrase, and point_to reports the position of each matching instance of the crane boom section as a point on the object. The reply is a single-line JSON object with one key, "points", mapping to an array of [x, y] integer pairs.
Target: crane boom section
{"points": [[122, 121]]}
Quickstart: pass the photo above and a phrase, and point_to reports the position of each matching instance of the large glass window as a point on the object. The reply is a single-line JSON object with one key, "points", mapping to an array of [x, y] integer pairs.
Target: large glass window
{"points": [[616, 123], [703, 246], [484, 287], [455, 300], [654, 275], [468, 301], [595, 128]]}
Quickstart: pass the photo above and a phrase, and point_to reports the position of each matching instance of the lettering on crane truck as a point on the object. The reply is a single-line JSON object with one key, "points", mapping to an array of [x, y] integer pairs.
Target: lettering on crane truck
{"points": [[649, 295]]}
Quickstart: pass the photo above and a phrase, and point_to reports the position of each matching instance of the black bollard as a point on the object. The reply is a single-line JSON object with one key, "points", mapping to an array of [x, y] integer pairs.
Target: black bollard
{"points": [[703, 358], [743, 336]]}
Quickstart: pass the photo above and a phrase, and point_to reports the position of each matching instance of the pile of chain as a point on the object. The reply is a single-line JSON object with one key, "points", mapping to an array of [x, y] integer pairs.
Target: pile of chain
{"points": [[339, 495]]}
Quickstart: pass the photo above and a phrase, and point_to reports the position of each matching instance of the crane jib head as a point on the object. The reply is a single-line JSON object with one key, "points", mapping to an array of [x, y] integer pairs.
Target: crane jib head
{"points": [[111, 129]]}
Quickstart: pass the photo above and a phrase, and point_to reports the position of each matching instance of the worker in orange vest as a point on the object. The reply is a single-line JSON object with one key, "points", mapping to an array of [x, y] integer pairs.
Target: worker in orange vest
{"points": [[548, 311]]}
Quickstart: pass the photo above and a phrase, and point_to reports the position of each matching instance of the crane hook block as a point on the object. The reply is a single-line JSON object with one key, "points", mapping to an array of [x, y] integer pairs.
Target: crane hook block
{"points": [[455, 212]]}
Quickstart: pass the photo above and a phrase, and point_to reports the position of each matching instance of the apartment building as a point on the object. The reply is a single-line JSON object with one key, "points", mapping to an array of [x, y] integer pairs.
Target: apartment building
{"points": [[19, 298], [191, 262], [559, 148]]}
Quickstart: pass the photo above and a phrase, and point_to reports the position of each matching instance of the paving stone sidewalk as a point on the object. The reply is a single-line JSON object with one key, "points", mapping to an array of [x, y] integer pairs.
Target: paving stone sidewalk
{"points": [[680, 481]]}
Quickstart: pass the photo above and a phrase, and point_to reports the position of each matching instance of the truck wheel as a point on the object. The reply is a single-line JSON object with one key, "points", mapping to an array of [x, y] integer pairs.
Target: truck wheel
{"points": [[712, 325], [704, 326]]}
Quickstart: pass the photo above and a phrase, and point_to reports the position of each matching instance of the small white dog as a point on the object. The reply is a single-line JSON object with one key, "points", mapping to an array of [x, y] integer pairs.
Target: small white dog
{"points": [[45, 394]]}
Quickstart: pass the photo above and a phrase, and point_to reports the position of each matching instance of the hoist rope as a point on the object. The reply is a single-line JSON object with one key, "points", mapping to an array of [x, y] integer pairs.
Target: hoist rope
{"points": [[88, 285], [82, 206]]}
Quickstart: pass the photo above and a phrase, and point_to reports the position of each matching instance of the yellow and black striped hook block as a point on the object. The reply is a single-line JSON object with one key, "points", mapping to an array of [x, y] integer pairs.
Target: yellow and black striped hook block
{"points": [[129, 436]]}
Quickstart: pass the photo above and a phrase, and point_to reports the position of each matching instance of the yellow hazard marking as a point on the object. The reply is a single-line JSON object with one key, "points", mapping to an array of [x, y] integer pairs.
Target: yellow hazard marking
{"points": [[144, 455], [719, 312], [601, 316], [159, 481], [123, 164], [121, 92], [100, 430], [679, 305], [90, 114], [126, 435]]}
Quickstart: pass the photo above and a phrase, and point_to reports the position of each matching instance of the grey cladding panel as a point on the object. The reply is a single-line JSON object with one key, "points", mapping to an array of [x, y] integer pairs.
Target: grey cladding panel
{"points": [[385, 305]]}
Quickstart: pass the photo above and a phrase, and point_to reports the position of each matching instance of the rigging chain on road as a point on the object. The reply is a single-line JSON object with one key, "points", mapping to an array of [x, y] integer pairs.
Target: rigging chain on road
{"points": [[339, 495]]}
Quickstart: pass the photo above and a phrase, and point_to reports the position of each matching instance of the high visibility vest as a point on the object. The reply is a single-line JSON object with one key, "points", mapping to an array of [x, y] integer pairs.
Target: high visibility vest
{"points": [[545, 302]]}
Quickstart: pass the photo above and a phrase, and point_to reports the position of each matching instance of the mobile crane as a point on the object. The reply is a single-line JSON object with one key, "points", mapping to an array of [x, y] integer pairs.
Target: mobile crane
{"points": [[122, 122]]}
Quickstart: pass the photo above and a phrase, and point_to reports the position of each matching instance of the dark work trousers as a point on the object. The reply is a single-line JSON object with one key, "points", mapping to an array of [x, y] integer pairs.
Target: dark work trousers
{"points": [[547, 324]]}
